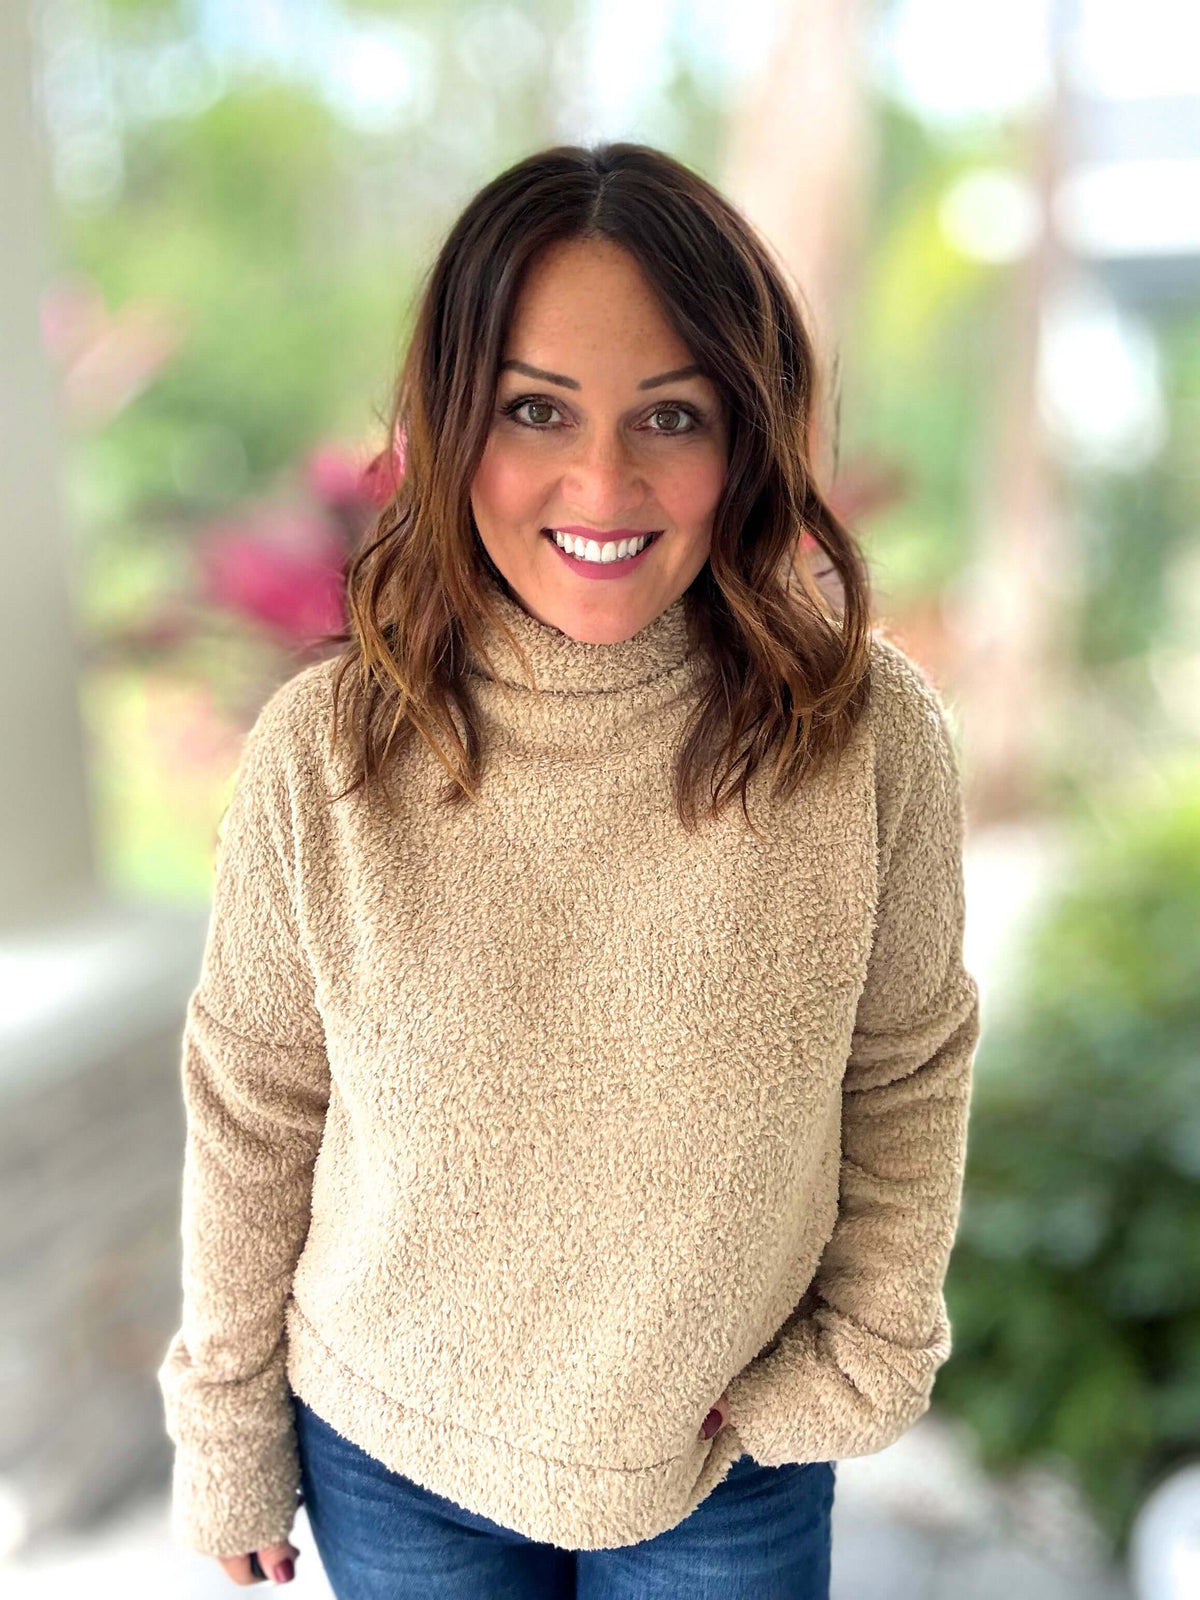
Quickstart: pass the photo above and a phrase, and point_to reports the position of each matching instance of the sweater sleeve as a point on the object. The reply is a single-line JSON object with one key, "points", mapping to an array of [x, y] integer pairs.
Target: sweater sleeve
{"points": [[255, 1085], [853, 1366]]}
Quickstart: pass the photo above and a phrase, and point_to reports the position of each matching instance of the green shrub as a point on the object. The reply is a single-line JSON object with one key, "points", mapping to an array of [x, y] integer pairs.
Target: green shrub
{"points": [[1074, 1286]]}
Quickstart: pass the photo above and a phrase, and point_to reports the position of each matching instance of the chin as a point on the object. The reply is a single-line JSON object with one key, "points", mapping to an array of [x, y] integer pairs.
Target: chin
{"points": [[613, 625]]}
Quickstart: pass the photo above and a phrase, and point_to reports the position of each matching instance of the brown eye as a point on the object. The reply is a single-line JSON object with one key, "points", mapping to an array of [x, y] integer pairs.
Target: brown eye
{"points": [[515, 407], [674, 411]]}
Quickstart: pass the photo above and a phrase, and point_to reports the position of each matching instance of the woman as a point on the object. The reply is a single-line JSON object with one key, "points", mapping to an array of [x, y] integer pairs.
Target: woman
{"points": [[572, 1168]]}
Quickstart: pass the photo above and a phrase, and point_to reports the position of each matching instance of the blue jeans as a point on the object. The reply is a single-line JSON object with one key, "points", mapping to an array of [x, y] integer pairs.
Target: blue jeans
{"points": [[762, 1534]]}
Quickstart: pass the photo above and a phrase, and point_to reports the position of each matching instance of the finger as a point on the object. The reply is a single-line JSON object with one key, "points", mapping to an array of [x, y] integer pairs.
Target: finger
{"points": [[238, 1568], [712, 1422], [274, 1561], [278, 1561]]}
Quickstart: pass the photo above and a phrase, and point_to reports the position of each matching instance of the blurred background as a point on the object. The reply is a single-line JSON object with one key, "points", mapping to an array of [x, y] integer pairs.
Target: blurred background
{"points": [[215, 213]]}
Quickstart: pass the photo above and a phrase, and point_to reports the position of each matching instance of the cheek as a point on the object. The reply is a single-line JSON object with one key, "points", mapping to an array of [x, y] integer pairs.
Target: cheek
{"points": [[505, 486], [689, 491]]}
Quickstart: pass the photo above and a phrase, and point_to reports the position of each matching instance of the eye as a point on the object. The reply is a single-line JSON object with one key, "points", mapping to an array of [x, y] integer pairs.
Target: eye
{"points": [[676, 410], [538, 403]]}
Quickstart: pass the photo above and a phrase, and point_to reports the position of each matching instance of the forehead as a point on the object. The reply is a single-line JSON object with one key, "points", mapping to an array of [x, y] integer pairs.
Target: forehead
{"points": [[584, 297]]}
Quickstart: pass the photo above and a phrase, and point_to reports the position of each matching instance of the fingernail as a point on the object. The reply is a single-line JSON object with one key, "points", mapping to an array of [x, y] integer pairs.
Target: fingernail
{"points": [[285, 1571], [711, 1423]]}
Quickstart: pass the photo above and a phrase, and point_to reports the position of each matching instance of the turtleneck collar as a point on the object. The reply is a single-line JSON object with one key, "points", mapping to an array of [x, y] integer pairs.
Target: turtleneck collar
{"points": [[588, 697]]}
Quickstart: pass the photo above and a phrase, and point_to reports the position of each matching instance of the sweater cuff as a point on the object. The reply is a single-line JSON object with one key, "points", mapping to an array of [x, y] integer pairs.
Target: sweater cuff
{"points": [[236, 1473], [832, 1389]]}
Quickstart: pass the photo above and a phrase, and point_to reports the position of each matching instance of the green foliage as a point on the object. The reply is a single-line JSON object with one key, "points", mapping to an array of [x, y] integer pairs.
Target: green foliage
{"points": [[919, 357], [1074, 1287], [1133, 524], [233, 218]]}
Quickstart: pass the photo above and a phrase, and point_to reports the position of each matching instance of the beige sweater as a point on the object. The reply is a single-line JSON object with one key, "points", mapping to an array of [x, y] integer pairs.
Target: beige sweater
{"points": [[517, 1134]]}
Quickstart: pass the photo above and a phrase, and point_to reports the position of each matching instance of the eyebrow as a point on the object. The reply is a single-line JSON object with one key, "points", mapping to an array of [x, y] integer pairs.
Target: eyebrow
{"points": [[573, 383]]}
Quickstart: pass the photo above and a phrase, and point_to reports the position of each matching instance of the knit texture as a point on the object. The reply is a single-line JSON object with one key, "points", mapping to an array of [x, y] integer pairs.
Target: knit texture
{"points": [[518, 1133]]}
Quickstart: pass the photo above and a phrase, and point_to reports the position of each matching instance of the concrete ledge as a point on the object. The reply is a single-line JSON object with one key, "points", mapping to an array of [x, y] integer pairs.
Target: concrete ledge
{"points": [[91, 1153]]}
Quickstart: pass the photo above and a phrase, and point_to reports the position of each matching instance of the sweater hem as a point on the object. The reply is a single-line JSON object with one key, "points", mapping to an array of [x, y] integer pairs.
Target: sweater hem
{"points": [[571, 1506]]}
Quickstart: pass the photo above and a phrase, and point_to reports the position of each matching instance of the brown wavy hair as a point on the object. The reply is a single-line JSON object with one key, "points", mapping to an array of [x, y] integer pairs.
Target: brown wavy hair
{"points": [[785, 672]]}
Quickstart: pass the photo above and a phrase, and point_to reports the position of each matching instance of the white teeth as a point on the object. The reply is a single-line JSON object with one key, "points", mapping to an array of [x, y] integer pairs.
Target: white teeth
{"points": [[589, 550]]}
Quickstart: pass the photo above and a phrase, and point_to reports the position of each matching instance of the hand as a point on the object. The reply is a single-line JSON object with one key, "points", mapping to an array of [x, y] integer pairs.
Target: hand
{"points": [[278, 1561], [716, 1418]]}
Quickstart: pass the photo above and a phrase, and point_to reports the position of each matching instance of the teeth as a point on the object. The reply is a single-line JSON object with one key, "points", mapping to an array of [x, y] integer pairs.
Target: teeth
{"points": [[589, 550]]}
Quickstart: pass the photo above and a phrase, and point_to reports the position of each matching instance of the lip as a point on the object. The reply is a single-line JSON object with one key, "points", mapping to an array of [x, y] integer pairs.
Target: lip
{"points": [[600, 569]]}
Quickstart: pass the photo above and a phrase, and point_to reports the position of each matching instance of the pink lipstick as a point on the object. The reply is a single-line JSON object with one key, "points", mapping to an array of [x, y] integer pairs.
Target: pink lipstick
{"points": [[603, 569]]}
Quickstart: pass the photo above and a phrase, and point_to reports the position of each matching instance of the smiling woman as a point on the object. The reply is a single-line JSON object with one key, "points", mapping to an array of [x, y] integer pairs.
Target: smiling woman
{"points": [[571, 1177]]}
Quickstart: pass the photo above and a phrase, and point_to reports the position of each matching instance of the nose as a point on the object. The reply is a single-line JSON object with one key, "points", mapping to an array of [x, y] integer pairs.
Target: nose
{"points": [[603, 479]]}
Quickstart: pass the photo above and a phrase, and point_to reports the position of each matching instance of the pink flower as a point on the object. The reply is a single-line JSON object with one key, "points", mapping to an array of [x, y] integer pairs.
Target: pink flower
{"points": [[334, 476], [105, 361], [338, 480], [288, 573], [384, 472]]}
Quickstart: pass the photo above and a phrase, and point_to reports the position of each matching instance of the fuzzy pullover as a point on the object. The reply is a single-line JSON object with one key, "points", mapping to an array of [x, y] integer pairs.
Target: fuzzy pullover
{"points": [[518, 1133]]}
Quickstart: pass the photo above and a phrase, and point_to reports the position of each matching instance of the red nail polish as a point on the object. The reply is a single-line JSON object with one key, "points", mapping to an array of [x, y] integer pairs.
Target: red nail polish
{"points": [[711, 1423], [285, 1571]]}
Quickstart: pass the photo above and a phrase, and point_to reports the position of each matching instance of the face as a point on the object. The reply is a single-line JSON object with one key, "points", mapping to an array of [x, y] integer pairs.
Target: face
{"points": [[601, 429]]}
